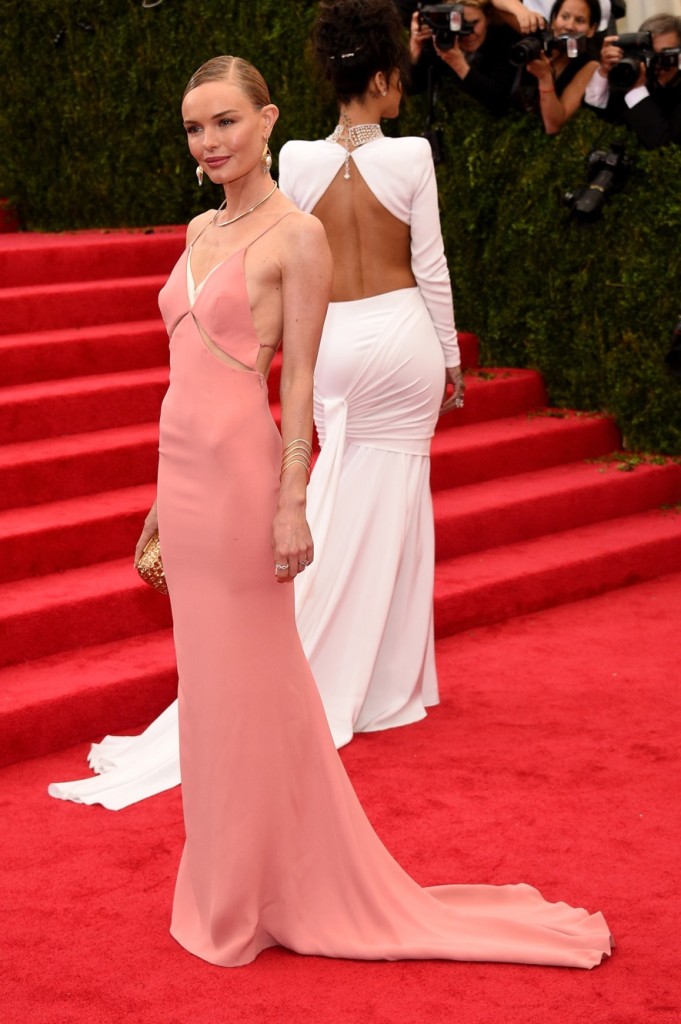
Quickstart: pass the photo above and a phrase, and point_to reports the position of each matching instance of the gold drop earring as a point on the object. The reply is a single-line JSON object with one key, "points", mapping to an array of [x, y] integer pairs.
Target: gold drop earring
{"points": [[199, 175], [266, 158]]}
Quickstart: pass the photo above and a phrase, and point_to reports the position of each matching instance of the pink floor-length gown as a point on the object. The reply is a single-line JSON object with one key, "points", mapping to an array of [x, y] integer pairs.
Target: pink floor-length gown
{"points": [[278, 849]]}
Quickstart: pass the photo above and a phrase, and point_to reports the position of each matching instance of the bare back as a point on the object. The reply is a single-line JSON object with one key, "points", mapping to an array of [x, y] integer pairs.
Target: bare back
{"points": [[371, 248]]}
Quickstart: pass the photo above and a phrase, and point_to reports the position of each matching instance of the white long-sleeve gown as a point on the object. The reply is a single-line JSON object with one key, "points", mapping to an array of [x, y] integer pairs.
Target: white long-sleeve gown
{"points": [[364, 608]]}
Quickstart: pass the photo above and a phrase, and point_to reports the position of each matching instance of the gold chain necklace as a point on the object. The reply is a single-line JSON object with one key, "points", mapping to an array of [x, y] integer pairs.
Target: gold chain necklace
{"points": [[223, 206]]}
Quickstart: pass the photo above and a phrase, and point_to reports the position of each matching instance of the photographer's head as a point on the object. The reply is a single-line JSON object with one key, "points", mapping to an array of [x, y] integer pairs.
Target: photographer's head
{"points": [[360, 48], [575, 17], [665, 30], [477, 15]]}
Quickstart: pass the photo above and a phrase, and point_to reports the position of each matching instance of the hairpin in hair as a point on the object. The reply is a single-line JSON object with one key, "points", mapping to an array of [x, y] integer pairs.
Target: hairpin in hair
{"points": [[345, 56]]}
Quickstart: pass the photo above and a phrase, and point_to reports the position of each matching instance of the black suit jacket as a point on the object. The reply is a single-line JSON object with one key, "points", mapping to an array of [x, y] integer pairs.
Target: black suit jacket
{"points": [[657, 118]]}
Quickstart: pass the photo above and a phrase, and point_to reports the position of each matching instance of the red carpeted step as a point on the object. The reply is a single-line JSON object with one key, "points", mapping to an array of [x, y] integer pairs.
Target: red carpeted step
{"points": [[79, 304], [107, 348], [484, 451], [497, 584], [81, 531], [106, 601], [75, 405], [49, 538], [72, 406], [77, 608], [497, 393], [28, 259], [120, 684], [56, 468], [75, 352], [504, 511]]}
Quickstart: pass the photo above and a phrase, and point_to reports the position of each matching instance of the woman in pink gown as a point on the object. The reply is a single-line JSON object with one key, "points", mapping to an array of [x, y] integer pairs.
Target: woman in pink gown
{"points": [[278, 850]]}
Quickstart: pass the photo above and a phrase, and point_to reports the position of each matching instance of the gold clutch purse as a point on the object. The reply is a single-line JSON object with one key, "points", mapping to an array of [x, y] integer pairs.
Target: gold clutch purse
{"points": [[150, 565]]}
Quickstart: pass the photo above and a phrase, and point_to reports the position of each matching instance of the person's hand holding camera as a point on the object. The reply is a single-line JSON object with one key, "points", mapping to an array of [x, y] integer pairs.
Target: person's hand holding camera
{"points": [[528, 21], [522, 17], [610, 55], [454, 58], [542, 69], [419, 34]]}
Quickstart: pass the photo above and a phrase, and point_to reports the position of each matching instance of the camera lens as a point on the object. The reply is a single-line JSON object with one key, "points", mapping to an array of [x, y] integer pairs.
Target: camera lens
{"points": [[625, 73], [524, 51]]}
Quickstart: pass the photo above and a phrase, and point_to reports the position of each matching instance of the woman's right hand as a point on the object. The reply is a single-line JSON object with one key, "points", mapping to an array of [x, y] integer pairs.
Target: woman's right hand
{"points": [[454, 58], [541, 67], [148, 530], [453, 399]]}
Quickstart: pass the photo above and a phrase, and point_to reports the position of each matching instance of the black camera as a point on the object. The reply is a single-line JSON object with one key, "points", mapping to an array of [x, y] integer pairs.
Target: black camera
{"points": [[638, 49], [670, 57], [673, 357], [606, 171], [530, 47], [447, 22]]}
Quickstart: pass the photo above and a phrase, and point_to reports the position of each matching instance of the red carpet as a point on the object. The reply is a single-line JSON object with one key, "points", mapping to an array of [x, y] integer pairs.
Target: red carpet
{"points": [[554, 759]]}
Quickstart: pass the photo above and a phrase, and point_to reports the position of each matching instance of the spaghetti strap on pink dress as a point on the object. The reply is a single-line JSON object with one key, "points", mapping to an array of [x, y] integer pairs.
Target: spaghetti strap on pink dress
{"points": [[278, 849]]}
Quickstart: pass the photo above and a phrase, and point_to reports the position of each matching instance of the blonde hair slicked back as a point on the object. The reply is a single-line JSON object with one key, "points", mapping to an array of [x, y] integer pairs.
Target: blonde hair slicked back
{"points": [[236, 70]]}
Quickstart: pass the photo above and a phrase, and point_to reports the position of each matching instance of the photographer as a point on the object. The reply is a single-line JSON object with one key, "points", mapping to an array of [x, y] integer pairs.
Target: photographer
{"points": [[562, 80], [651, 102], [477, 59], [543, 7]]}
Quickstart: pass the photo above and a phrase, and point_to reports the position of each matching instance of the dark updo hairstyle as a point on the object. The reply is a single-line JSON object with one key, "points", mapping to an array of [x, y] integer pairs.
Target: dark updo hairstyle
{"points": [[355, 39], [594, 11]]}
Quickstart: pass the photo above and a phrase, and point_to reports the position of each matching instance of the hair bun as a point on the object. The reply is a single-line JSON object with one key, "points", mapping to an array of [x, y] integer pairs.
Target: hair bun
{"points": [[354, 40]]}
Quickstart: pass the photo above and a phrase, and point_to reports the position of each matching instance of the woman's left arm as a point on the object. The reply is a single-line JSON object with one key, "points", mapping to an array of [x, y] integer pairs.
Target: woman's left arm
{"points": [[306, 275], [428, 261], [556, 110], [429, 267]]}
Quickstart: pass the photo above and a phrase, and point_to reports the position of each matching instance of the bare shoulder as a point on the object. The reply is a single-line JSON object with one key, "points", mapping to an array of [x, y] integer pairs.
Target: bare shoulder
{"points": [[197, 224], [301, 232]]}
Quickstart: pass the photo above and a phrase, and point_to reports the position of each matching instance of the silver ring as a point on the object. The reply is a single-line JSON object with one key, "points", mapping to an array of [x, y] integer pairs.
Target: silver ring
{"points": [[278, 567]]}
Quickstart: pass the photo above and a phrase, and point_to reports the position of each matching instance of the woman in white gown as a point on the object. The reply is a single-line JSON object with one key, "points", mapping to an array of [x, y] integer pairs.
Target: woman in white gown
{"points": [[364, 609]]}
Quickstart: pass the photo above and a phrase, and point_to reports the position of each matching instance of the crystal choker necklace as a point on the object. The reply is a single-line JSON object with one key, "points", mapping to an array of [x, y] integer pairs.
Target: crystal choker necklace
{"points": [[355, 134]]}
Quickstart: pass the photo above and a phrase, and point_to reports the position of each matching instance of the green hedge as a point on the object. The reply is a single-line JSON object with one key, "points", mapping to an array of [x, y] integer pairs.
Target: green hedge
{"points": [[92, 138], [90, 111], [591, 305]]}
